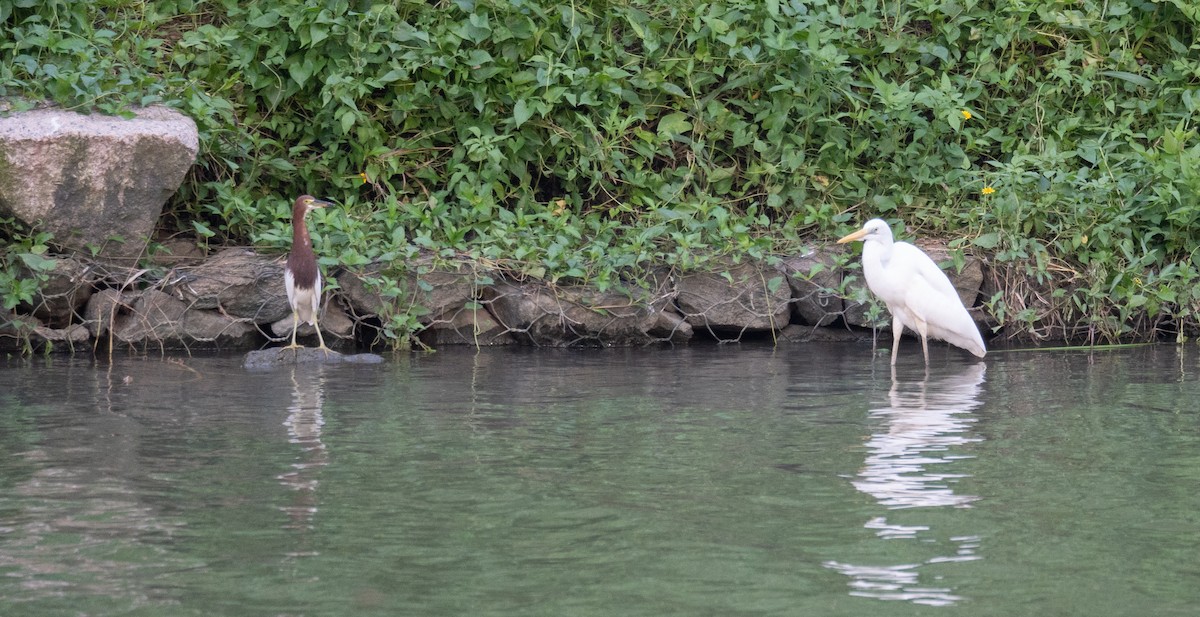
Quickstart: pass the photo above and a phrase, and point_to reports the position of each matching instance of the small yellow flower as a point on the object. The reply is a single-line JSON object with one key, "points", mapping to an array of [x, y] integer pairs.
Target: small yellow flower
{"points": [[987, 190], [966, 115], [364, 177]]}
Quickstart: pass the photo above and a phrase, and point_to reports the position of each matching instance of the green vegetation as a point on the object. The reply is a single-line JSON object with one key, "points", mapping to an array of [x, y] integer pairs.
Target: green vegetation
{"points": [[587, 141]]}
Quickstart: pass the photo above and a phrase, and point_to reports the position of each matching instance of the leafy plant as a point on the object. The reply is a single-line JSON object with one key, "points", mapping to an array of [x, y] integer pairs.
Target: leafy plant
{"points": [[591, 141], [23, 269]]}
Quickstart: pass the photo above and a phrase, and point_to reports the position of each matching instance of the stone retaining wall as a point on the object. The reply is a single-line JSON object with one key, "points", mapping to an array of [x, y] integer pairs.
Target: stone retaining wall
{"points": [[235, 299]]}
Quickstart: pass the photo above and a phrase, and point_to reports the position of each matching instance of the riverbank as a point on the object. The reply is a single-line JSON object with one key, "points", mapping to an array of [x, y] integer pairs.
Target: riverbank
{"points": [[234, 298], [563, 154]]}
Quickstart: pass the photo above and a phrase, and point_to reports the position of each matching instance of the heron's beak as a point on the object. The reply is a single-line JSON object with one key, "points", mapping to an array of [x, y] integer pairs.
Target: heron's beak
{"points": [[317, 203], [858, 235]]}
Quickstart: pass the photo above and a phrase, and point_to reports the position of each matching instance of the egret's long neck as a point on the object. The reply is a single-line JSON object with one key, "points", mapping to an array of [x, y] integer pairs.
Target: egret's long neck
{"points": [[876, 253]]}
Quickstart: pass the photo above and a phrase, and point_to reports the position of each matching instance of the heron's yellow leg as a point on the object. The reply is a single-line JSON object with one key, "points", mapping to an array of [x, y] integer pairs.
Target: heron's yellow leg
{"points": [[295, 326]]}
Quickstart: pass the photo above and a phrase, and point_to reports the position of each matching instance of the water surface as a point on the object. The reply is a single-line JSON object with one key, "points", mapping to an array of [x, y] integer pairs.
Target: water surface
{"points": [[736, 480]]}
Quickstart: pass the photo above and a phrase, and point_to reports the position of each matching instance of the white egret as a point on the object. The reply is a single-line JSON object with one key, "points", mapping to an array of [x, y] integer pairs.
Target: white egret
{"points": [[916, 291]]}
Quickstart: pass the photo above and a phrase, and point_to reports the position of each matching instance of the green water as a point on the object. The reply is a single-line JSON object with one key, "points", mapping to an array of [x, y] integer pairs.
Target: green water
{"points": [[735, 480]]}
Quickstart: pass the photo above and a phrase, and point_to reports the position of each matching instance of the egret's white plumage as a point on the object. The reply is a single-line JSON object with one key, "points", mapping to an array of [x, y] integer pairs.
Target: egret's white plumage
{"points": [[916, 291]]}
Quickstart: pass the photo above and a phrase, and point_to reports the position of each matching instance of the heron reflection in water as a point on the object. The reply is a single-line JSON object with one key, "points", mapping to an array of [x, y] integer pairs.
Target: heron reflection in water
{"points": [[922, 424], [304, 423]]}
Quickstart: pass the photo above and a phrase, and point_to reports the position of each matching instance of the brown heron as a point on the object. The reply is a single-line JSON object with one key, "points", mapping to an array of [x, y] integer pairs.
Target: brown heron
{"points": [[302, 276]]}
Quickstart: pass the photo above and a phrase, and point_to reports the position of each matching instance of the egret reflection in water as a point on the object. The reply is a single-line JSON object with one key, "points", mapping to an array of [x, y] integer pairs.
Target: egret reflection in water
{"points": [[923, 421], [922, 424]]}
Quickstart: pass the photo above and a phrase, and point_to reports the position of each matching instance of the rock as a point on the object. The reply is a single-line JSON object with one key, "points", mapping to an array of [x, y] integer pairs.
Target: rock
{"points": [[89, 179], [437, 289], [815, 278], [67, 288], [335, 321], [157, 319], [796, 333], [102, 309], [466, 326], [857, 313], [239, 282], [282, 356], [71, 334], [174, 252], [671, 326], [752, 299], [360, 288], [16, 332], [540, 314]]}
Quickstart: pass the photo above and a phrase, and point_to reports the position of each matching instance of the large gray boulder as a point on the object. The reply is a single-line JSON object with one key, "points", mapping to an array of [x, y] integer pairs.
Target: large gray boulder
{"points": [[90, 179]]}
